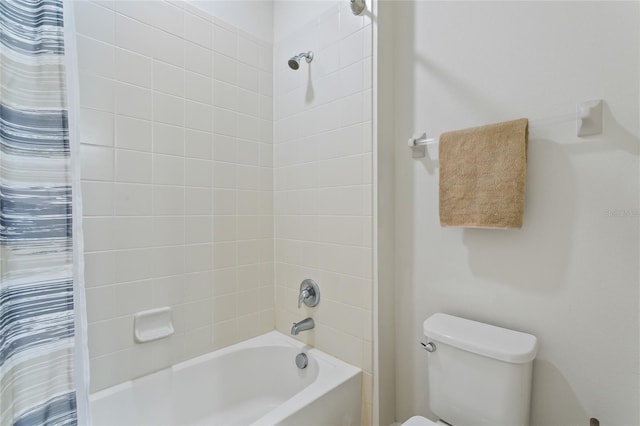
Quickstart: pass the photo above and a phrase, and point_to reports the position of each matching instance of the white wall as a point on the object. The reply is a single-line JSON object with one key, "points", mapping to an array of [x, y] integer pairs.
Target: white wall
{"points": [[570, 275], [290, 16], [176, 132], [253, 17], [323, 185]]}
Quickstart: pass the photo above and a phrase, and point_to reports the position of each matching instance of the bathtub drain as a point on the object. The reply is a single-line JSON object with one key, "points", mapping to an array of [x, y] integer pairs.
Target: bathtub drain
{"points": [[302, 361]]}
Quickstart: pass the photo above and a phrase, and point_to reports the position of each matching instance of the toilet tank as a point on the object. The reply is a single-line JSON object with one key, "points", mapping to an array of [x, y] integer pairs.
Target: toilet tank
{"points": [[479, 374]]}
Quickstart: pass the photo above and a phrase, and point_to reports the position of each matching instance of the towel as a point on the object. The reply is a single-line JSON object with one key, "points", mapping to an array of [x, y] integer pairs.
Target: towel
{"points": [[482, 175]]}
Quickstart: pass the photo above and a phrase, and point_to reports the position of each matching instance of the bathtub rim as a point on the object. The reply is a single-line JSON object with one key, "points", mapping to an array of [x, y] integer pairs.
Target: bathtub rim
{"points": [[339, 373]]}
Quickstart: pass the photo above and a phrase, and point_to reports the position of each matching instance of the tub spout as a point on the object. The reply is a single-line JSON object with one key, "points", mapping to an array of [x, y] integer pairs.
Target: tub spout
{"points": [[305, 324]]}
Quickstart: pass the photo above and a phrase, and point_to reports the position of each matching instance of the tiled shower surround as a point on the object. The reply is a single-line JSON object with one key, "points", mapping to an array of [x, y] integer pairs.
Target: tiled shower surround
{"points": [[176, 130], [208, 191], [323, 185]]}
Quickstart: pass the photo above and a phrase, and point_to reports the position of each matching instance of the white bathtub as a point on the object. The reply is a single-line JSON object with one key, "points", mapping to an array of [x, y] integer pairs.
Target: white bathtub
{"points": [[255, 382]]}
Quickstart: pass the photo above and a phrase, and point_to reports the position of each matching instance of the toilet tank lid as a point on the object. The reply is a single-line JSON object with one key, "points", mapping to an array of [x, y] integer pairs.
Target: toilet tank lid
{"points": [[483, 339]]}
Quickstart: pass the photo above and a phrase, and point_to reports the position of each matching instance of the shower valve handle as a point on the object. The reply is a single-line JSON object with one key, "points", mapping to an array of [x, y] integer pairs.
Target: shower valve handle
{"points": [[309, 293]]}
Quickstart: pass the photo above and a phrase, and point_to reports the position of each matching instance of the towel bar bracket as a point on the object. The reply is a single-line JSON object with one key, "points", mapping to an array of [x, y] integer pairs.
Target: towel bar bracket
{"points": [[420, 144], [589, 118]]}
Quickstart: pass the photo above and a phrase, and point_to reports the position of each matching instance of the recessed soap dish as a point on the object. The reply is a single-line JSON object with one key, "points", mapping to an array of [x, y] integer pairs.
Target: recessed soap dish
{"points": [[152, 325]]}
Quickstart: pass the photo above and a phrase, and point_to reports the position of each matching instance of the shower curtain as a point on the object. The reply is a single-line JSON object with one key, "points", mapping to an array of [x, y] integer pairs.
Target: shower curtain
{"points": [[43, 356]]}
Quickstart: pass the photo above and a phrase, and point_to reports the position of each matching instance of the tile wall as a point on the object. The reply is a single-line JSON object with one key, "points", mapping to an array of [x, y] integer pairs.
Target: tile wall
{"points": [[323, 185], [177, 161]]}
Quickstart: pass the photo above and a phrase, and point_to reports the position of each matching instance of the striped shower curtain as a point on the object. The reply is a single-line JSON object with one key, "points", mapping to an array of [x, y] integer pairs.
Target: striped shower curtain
{"points": [[42, 327]]}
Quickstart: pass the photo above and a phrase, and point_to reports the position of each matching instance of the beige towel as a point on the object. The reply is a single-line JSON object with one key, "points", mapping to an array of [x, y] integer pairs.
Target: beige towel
{"points": [[482, 175]]}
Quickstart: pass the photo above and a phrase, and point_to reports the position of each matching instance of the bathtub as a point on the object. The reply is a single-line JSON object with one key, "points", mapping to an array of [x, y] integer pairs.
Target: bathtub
{"points": [[255, 382]]}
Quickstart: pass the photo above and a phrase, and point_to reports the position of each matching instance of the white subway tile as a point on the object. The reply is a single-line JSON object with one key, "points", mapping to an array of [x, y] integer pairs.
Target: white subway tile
{"points": [[168, 48], [224, 281], [248, 77], [134, 9], [197, 201], [223, 201], [225, 175], [96, 127], [266, 58], [132, 265], [224, 255], [249, 102], [198, 116], [328, 29], [134, 35], [349, 23], [225, 122], [133, 101], [265, 83], [248, 251], [224, 68], [112, 368], [248, 177], [96, 57], [168, 200], [99, 268], [224, 228], [198, 229], [225, 95], [168, 261], [96, 93], [168, 169], [133, 68], [100, 301], [352, 79], [351, 109], [341, 201], [97, 198], [198, 144], [97, 162], [341, 171], [98, 233], [168, 17], [168, 139], [198, 30], [132, 232], [225, 41], [95, 21], [249, 228], [225, 148], [224, 308], [132, 133], [133, 199], [248, 153], [168, 109], [249, 127], [352, 48], [198, 87], [248, 51], [198, 59], [133, 166], [198, 172], [168, 78], [198, 257]]}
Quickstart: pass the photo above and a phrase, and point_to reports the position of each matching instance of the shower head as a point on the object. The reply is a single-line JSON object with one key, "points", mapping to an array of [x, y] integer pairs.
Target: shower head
{"points": [[294, 62], [358, 6]]}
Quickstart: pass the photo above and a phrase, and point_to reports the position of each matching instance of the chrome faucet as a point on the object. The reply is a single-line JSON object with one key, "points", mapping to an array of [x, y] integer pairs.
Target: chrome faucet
{"points": [[305, 324]]}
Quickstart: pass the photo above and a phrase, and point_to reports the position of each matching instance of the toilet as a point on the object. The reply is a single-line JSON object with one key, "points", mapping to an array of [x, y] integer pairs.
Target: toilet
{"points": [[478, 374]]}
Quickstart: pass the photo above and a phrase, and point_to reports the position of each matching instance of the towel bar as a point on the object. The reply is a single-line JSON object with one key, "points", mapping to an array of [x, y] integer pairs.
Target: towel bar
{"points": [[588, 118]]}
